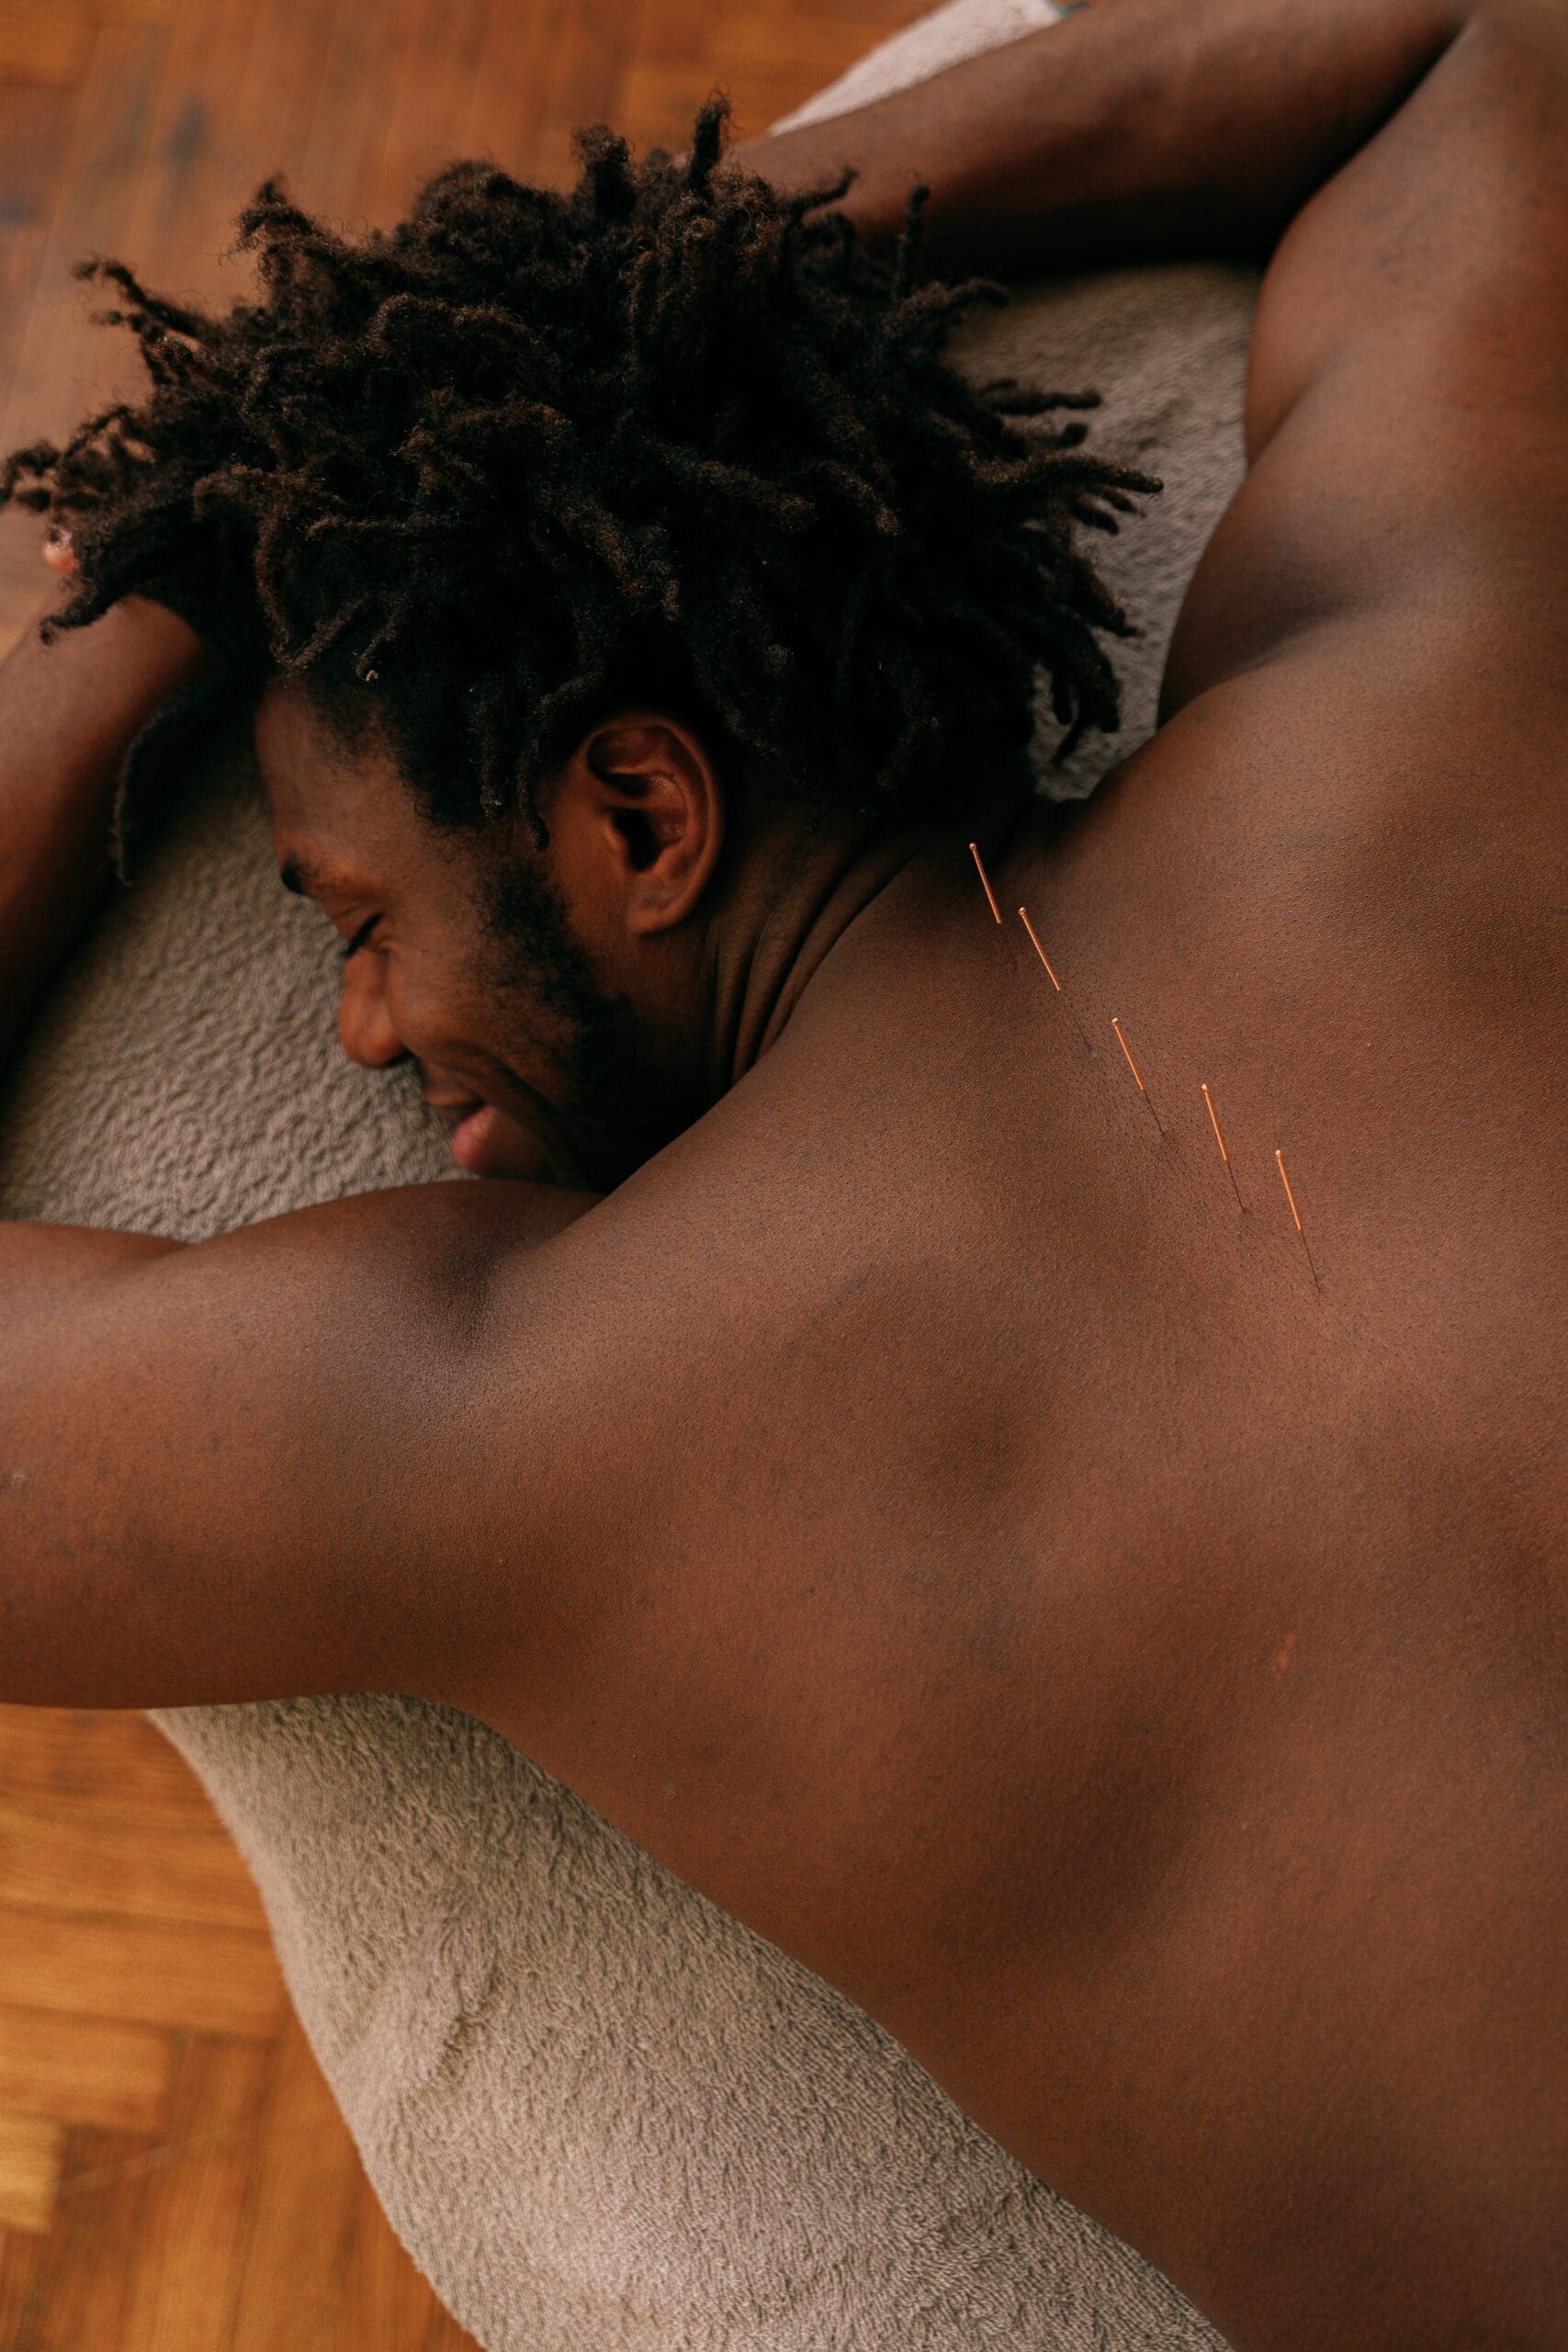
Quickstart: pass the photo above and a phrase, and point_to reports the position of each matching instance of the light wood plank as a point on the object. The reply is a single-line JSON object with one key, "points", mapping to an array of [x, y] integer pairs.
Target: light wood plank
{"points": [[427, 99], [31, 2150], [36, 124], [88, 1861], [302, 2211], [146, 1972], [65, 366], [445, 2336], [21, 2267], [593, 47], [83, 2070], [19, 601], [357, 65], [199, 155], [88, 14], [117, 1761], [386, 2301], [35, 132], [195, 2215], [80, 2288], [44, 45], [510, 91]]}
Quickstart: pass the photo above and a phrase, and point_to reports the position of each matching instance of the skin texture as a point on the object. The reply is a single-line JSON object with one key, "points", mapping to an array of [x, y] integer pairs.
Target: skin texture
{"points": [[916, 1503]]}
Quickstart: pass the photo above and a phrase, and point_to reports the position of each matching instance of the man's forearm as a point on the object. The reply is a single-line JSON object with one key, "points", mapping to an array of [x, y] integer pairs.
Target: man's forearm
{"points": [[1134, 130], [68, 712]]}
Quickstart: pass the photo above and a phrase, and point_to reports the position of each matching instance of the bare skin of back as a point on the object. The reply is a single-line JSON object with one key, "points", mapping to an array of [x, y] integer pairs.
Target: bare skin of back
{"points": [[923, 1506]]}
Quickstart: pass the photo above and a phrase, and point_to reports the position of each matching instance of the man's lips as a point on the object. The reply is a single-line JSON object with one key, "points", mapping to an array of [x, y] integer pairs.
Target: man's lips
{"points": [[485, 1142], [474, 1137], [473, 1124]]}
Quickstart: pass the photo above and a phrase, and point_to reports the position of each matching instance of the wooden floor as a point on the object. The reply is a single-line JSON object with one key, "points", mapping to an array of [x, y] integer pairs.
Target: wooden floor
{"points": [[173, 2176]]}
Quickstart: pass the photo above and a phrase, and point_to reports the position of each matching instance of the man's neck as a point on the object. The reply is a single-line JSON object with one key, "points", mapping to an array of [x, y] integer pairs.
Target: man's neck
{"points": [[794, 904]]}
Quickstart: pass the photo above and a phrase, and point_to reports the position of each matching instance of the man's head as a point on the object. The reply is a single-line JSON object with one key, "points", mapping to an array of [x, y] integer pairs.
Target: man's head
{"points": [[558, 1006], [567, 531]]}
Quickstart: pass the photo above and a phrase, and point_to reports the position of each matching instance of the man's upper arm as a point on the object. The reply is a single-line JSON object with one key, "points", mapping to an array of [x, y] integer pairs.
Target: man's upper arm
{"points": [[239, 1470], [1408, 391]]}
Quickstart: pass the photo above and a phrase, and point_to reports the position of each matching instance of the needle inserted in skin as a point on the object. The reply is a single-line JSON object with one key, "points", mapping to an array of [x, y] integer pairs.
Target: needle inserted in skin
{"points": [[1133, 1065], [1230, 1171], [1056, 983], [984, 880], [1279, 1162]]}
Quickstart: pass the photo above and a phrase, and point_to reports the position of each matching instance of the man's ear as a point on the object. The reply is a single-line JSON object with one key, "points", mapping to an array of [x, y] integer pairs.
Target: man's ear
{"points": [[639, 815]]}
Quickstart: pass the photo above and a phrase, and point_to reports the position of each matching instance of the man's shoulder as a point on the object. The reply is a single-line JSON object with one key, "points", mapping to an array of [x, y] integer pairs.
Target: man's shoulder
{"points": [[1406, 407]]}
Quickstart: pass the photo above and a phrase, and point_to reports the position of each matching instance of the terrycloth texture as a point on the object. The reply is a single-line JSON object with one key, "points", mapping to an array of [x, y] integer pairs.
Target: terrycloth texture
{"points": [[599, 2112]]}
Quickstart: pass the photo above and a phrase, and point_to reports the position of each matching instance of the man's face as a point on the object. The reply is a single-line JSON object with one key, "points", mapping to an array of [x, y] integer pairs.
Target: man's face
{"points": [[461, 960]]}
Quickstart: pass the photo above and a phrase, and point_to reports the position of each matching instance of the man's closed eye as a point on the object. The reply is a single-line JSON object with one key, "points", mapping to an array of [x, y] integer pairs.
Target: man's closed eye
{"points": [[361, 938]]}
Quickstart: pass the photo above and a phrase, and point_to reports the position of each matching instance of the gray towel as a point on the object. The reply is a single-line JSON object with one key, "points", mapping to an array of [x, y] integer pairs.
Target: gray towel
{"points": [[599, 2112]]}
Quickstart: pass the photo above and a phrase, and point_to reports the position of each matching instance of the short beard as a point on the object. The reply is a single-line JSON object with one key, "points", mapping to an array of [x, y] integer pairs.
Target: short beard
{"points": [[616, 1110]]}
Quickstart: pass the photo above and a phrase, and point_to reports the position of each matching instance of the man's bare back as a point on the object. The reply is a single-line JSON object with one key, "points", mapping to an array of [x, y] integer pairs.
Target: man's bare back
{"points": [[1124, 1654]]}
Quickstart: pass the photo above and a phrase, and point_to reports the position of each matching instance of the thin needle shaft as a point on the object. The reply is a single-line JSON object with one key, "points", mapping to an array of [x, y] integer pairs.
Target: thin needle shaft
{"points": [[1133, 1065], [1056, 983], [984, 880], [1230, 1171], [1279, 1162], [1035, 938]]}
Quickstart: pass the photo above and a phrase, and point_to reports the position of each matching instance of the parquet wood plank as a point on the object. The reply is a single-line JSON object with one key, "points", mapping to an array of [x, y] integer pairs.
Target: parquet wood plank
{"points": [[145, 1972], [30, 2151], [84, 2278], [83, 2070], [685, 34], [444, 2335], [116, 1762], [91, 14], [447, 43], [269, 117], [509, 97], [20, 602], [21, 2267], [194, 2214], [44, 45], [386, 2301], [763, 68], [198, 163], [594, 44], [358, 62], [302, 2210], [65, 366], [36, 122], [659, 98], [72, 1864]]}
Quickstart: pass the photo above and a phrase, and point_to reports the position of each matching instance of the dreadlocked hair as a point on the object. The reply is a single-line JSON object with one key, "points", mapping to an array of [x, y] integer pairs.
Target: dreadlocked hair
{"points": [[670, 435]]}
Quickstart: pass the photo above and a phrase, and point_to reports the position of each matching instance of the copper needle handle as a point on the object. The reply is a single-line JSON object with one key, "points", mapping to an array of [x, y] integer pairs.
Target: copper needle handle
{"points": [[984, 880]]}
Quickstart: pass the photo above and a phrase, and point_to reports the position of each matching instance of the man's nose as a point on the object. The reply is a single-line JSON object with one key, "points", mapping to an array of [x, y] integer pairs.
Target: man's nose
{"points": [[365, 1023]]}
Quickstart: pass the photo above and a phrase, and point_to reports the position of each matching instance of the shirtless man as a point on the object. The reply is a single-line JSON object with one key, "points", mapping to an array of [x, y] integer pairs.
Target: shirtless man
{"points": [[917, 1504]]}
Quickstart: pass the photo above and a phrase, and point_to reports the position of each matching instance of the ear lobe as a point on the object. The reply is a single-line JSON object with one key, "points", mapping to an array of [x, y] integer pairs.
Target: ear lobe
{"points": [[662, 811]]}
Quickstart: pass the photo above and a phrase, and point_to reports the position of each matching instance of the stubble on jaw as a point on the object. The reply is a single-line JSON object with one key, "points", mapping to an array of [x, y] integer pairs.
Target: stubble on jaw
{"points": [[616, 1109]]}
